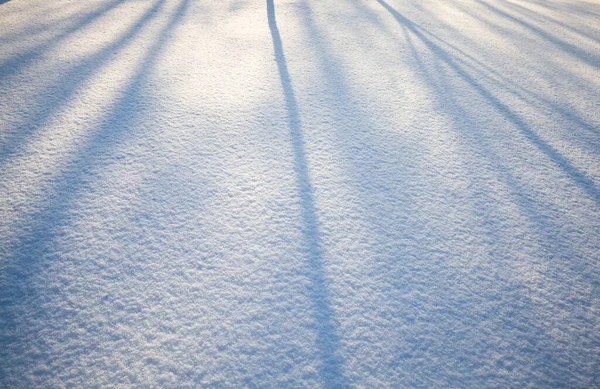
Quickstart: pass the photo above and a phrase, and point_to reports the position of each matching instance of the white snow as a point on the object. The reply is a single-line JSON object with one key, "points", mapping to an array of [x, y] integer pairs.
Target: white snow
{"points": [[300, 193]]}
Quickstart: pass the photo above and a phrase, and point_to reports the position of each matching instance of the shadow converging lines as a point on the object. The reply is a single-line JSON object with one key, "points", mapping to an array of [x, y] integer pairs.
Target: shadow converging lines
{"points": [[581, 179], [69, 84], [84, 167], [18, 62]]}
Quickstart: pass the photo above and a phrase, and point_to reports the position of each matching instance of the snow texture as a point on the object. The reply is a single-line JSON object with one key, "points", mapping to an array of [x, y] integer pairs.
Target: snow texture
{"points": [[300, 193]]}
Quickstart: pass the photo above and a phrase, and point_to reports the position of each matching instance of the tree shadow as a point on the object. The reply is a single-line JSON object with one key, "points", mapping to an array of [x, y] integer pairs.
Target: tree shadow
{"points": [[467, 60], [581, 179], [570, 6], [35, 246], [67, 86], [592, 59], [327, 341], [545, 19], [462, 306], [562, 111], [18, 62], [528, 96], [400, 273], [566, 267]]}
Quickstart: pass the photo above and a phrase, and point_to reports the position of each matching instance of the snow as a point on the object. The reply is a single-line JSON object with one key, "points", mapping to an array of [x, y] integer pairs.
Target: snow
{"points": [[297, 193]]}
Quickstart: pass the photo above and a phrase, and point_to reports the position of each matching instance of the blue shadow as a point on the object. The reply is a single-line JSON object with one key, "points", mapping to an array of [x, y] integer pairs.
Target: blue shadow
{"points": [[327, 341], [35, 246], [69, 83], [581, 179]]}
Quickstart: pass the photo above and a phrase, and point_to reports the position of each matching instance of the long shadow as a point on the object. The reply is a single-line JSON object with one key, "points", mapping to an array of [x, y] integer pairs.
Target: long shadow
{"points": [[523, 201], [563, 259], [18, 62], [589, 58], [566, 6], [524, 198], [541, 18], [68, 84], [47, 21], [35, 246], [327, 339], [108, 136], [584, 182], [516, 89], [464, 59], [463, 56], [388, 181]]}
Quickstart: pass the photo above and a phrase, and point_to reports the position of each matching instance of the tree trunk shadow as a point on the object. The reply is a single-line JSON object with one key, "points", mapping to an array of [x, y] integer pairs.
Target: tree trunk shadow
{"points": [[327, 341]]}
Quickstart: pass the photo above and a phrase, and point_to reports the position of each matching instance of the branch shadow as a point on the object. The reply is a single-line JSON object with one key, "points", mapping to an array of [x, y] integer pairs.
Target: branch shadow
{"points": [[558, 110], [401, 272], [327, 342], [487, 283], [568, 6], [16, 63], [524, 197], [67, 86], [476, 65], [592, 59], [35, 246], [581, 179], [528, 96], [566, 267], [541, 18]]}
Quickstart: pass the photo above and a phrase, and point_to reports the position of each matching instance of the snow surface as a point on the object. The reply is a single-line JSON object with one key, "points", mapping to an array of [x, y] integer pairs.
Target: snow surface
{"points": [[332, 193]]}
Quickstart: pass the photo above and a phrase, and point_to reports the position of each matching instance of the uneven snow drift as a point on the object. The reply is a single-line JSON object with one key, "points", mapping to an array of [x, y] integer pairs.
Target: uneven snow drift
{"points": [[332, 193]]}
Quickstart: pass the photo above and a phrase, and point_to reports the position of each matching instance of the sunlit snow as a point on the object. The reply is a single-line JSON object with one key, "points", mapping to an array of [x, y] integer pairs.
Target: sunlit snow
{"points": [[300, 193]]}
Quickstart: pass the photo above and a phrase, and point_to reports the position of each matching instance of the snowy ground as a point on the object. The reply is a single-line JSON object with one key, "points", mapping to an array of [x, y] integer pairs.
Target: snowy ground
{"points": [[331, 193]]}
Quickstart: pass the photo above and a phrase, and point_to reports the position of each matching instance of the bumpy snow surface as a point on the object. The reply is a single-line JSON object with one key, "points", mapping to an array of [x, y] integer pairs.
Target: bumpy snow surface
{"points": [[310, 193]]}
